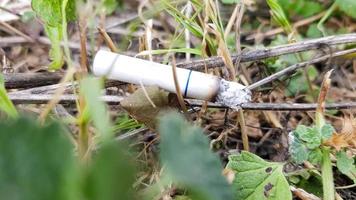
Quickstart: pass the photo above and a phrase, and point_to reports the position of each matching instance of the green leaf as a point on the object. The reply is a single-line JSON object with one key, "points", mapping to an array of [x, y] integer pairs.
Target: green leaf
{"points": [[312, 184], [181, 197], [305, 8], [314, 32], [185, 154], [297, 83], [309, 135], [36, 163], [230, 1], [5, 103], [346, 165], [309, 8], [109, 6], [326, 131], [91, 89], [111, 174], [299, 152], [315, 156], [347, 6], [258, 179], [50, 11], [278, 16], [300, 130], [55, 53]]}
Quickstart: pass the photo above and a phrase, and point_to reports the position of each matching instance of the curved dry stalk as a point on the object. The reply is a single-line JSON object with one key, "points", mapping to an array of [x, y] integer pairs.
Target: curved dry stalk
{"points": [[56, 97]]}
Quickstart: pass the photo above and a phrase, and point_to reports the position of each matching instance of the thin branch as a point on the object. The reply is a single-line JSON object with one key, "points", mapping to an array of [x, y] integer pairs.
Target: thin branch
{"points": [[260, 54], [63, 99], [115, 100], [248, 56], [278, 106], [292, 68], [40, 79], [108, 40], [29, 80]]}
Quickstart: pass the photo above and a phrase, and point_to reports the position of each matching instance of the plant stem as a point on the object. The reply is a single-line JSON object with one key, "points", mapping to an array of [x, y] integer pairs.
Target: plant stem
{"points": [[84, 140], [241, 120], [327, 175], [325, 17]]}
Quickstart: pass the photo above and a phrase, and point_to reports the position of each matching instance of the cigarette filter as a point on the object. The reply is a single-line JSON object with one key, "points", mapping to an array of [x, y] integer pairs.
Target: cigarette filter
{"points": [[193, 84]]}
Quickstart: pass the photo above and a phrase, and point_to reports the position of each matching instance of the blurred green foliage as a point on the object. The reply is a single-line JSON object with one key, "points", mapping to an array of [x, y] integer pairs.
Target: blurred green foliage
{"points": [[230, 1], [111, 175], [109, 6], [95, 109], [346, 165], [347, 6], [304, 8], [185, 154], [38, 163]]}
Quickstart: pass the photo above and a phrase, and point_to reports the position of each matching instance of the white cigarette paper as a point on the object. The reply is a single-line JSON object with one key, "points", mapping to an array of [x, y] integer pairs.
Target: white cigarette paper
{"points": [[193, 84]]}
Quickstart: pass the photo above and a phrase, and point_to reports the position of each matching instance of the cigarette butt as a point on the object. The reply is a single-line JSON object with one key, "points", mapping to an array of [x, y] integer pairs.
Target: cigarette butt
{"points": [[193, 84]]}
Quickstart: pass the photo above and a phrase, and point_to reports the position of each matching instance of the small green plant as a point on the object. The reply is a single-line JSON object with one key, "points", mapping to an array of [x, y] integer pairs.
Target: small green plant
{"points": [[305, 8], [306, 145], [310, 144], [125, 123], [306, 142]]}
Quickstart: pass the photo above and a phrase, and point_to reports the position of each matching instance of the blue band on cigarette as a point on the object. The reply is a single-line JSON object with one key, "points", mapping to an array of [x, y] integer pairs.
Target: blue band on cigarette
{"points": [[186, 85]]}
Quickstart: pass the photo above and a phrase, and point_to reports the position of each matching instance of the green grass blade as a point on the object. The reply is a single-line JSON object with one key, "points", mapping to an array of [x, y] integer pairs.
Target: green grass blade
{"points": [[5, 103]]}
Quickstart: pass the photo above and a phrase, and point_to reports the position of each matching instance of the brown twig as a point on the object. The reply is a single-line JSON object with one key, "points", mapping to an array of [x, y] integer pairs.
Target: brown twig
{"points": [[177, 87], [83, 46], [40, 79], [16, 31], [115, 100], [63, 99], [278, 106], [108, 40], [247, 56], [260, 54], [28, 80]]}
